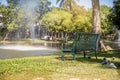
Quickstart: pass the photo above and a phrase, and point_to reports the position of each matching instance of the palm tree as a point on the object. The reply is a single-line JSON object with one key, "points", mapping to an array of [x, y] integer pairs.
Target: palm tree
{"points": [[66, 4], [96, 16], [96, 20]]}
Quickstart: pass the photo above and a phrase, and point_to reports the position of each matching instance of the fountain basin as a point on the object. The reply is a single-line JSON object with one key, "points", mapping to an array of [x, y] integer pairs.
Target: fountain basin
{"points": [[19, 51]]}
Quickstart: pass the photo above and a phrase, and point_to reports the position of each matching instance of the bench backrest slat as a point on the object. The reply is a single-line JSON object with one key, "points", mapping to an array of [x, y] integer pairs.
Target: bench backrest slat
{"points": [[85, 41]]}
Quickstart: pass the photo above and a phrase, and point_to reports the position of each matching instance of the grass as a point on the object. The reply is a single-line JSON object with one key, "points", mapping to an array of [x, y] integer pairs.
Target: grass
{"points": [[52, 68]]}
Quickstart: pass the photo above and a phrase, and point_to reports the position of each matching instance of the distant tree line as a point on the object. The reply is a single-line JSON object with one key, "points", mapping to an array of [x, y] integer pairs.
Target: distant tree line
{"points": [[57, 22]]}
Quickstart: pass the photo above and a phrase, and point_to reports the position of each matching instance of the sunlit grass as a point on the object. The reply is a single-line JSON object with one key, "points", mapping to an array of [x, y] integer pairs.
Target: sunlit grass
{"points": [[52, 68]]}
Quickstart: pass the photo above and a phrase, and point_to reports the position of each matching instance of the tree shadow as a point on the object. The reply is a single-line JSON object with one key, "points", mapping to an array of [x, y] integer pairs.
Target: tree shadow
{"points": [[92, 60], [101, 55], [110, 54]]}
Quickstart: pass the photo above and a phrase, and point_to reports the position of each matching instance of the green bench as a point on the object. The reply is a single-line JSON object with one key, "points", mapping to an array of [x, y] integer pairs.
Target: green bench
{"points": [[81, 42]]}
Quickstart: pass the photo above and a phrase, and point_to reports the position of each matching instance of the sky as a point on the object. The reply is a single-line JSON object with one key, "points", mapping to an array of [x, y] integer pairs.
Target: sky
{"points": [[85, 3], [88, 4]]}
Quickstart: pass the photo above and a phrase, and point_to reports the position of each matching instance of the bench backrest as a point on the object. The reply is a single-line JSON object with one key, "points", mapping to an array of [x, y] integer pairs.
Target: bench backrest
{"points": [[85, 41]]}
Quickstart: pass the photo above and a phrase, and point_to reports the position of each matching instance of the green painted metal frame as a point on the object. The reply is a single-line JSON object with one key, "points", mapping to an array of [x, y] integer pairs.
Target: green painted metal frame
{"points": [[82, 42]]}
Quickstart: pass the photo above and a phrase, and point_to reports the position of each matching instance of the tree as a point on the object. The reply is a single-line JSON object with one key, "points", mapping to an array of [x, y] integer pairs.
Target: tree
{"points": [[56, 20], [96, 20], [96, 12], [66, 4], [82, 23], [115, 14], [96, 16], [41, 6], [82, 19], [6, 12], [26, 15], [106, 27]]}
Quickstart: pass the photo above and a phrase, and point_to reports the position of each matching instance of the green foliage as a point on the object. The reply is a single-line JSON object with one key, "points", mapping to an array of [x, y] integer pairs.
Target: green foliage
{"points": [[80, 10], [3, 32], [20, 17], [106, 26], [77, 11], [41, 9], [82, 23], [82, 19], [16, 17], [15, 23], [107, 29], [21, 20], [57, 20], [7, 13], [67, 4], [115, 14], [60, 20]]}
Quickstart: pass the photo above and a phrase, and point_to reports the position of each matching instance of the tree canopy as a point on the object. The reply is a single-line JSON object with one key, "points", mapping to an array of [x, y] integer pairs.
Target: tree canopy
{"points": [[106, 26], [115, 14], [69, 18], [56, 21], [7, 16], [62, 20]]}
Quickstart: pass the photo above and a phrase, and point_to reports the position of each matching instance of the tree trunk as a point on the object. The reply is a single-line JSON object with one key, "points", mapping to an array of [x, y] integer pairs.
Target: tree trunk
{"points": [[96, 16], [6, 35], [96, 20]]}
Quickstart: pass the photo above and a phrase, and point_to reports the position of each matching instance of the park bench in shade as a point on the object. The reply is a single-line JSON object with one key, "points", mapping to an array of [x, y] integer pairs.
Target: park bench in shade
{"points": [[81, 42]]}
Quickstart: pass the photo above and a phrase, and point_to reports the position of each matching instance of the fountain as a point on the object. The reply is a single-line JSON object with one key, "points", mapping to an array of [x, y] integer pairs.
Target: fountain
{"points": [[32, 30], [28, 24]]}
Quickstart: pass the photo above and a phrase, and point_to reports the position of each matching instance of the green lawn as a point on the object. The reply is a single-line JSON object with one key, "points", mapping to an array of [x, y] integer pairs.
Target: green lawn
{"points": [[52, 68]]}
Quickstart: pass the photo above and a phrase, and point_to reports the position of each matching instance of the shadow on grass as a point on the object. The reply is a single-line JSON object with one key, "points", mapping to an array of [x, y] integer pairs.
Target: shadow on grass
{"points": [[109, 55], [80, 58], [100, 55]]}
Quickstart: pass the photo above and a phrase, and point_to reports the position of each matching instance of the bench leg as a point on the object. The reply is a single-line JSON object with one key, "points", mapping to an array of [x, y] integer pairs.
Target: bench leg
{"points": [[73, 53], [62, 55], [84, 54]]}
